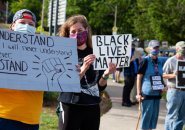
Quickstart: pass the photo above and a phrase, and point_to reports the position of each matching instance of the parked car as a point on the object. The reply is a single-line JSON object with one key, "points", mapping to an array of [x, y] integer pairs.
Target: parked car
{"points": [[167, 53]]}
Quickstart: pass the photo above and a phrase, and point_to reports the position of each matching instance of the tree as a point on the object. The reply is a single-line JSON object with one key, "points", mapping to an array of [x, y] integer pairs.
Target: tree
{"points": [[103, 15], [35, 6], [158, 19]]}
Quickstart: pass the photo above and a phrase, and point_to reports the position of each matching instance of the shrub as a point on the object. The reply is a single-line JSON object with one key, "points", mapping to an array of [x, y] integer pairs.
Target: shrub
{"points": [[50, 98]]}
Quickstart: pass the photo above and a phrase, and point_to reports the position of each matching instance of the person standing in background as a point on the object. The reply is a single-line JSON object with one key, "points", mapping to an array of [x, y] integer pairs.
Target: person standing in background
{"points": [[150, 97], [138, 54], [130, 74], [175, 117], [21, 109]]}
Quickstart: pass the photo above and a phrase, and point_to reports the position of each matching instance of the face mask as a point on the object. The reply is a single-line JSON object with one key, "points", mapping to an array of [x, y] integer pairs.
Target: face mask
{"points": [[181, 52], [154, 52], [25, 28], [81, 37]]}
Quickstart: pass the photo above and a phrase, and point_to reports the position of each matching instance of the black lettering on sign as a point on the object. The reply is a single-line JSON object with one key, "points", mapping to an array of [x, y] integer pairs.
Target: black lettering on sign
{"points": [[125, 38], [118, 39], [120, 61], [101, 54], [99, 41], [125, 50], [113, 50], [119, 50], [13, 47], [26, 39], [101, 62], [13, 66], [27, 48], [5, 55], [105, 64], [124, 61], [98, 61], [113, 40]]}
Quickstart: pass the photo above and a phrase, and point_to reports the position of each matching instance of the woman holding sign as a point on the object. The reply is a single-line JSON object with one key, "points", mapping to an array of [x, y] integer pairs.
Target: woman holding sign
{"points": [[149, 86], [81, 111]]}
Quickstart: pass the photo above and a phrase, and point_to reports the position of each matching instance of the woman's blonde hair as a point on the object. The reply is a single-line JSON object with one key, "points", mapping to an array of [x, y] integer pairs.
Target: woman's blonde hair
{"points": [[65, 28]]}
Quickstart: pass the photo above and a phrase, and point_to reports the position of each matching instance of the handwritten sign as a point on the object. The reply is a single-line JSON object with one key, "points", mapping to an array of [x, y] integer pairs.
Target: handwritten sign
{"points": [[157, 82], [180, 78], [111, 48], [37, 62]]}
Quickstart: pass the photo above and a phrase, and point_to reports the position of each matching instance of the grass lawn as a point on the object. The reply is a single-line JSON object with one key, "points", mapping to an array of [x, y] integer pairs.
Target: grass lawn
{"points": [[49, 119]]}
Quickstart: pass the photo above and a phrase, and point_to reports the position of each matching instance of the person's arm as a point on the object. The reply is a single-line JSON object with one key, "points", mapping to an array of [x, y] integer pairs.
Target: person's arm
{"points": [[138, 83], [168, 70], [88, 60], [141, 71], [169, 76], [103, 80]]}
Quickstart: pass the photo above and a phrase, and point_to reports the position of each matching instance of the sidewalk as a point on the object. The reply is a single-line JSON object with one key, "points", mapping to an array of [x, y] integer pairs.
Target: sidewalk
{"points": [[124, 118]]}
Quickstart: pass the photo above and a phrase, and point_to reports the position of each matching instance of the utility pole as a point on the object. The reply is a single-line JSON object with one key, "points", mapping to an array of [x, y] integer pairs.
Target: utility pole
{"points": [[115, 29], [56, 18], [6, 12], [51, 17], [42, 18]]}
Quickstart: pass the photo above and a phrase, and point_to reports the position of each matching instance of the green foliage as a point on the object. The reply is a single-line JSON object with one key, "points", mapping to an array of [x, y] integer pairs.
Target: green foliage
{"points": [[161, 20], [34, 5], [146, 19], [51, 96], [41, 30]]}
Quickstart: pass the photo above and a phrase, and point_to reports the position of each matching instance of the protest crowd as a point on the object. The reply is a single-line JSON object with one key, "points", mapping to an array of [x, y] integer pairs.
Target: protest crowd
{"points": [[80, 70]]}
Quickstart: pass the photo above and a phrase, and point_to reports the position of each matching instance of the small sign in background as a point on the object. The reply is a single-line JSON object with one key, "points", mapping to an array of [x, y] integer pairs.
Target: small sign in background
{"points": [[180, 78]]}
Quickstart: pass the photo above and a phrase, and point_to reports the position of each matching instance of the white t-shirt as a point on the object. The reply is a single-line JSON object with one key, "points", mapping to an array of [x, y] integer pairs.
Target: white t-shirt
{"points": [[170, 68]]}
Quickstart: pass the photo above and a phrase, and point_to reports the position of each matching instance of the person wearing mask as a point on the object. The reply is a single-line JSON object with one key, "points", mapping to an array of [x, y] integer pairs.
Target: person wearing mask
{"points": [[140, 54], [150, 67], [175, 117], [130, 74], [21, 109], [81, 111]]}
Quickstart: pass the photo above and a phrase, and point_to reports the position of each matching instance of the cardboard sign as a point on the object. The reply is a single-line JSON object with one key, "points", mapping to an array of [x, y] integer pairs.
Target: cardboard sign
{"points": [[37, 62], [180, 78], [157, 82], [112, 48]]}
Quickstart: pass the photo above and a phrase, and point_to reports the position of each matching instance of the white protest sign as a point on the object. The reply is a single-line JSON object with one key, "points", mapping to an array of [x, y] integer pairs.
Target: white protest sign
{"points": [[112, 48], [37, 62], [180, 78]]}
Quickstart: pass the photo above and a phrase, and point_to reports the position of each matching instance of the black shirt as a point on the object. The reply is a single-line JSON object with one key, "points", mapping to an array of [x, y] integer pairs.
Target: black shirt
{"points": [[143, 65], [90, 88]]}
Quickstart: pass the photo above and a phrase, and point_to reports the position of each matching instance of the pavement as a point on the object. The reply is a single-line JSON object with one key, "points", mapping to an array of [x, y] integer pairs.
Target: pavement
{"points": [[125, 118]]}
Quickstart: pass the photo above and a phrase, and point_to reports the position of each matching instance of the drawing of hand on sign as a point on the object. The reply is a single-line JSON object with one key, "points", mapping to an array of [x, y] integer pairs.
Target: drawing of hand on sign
{"points": [[53, 70]]}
